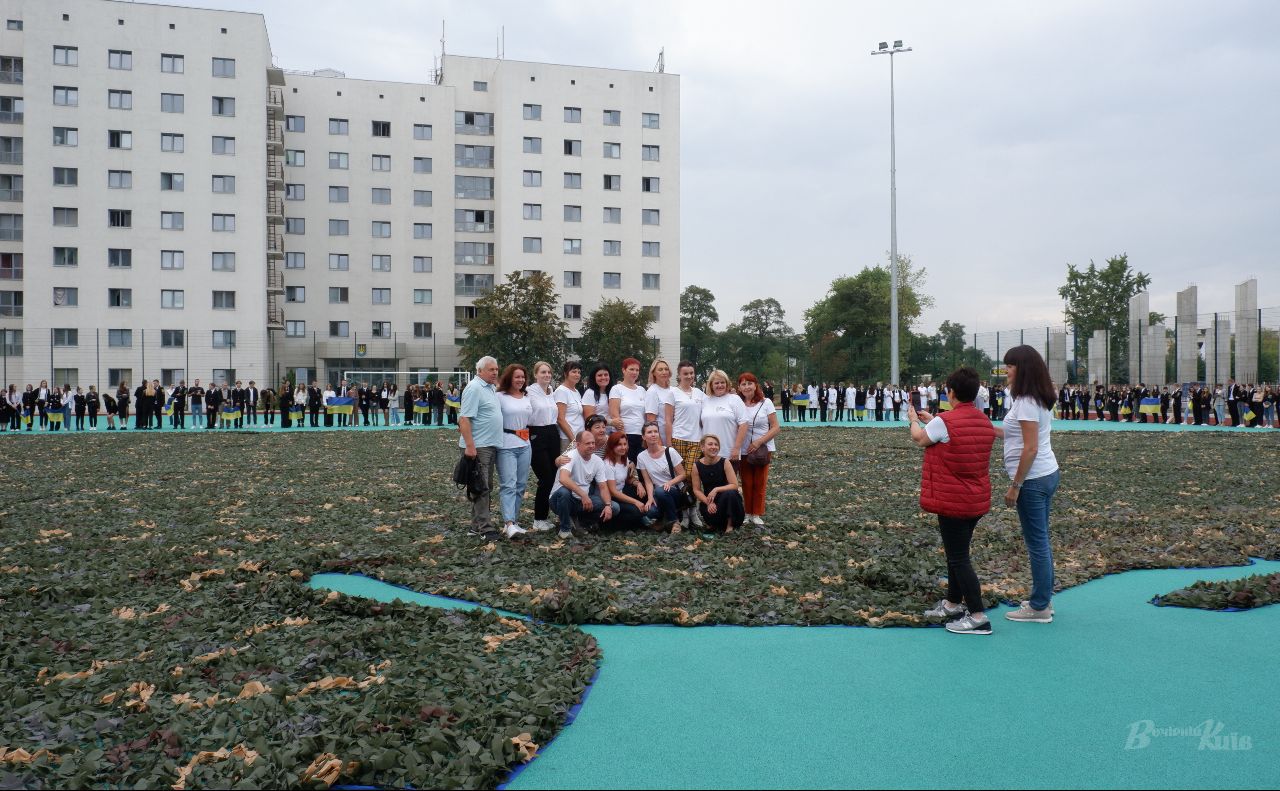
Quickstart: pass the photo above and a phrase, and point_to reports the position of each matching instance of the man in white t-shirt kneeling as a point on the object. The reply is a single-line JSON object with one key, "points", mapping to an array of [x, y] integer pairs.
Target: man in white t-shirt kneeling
{"points": [[579, 490]]}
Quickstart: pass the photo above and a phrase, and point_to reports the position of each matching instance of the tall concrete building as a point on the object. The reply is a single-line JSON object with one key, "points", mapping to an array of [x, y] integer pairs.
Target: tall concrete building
{"points": [[173, 205]]}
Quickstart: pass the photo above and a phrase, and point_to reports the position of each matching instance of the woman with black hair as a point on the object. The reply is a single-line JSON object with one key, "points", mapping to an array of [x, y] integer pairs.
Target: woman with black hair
{"points": [[595, 399], [1033, 471]]}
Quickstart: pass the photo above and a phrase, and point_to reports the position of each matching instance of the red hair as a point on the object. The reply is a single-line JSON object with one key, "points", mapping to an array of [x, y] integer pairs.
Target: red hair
{"points": [[630, 361], [611, 444], [747, 376]]}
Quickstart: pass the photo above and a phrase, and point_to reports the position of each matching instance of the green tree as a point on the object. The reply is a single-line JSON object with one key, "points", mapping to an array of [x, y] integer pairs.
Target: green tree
{"points": [[615, 331], [758, 343], [518, 322], [1097, 298], [855, 312], [698, 318]]}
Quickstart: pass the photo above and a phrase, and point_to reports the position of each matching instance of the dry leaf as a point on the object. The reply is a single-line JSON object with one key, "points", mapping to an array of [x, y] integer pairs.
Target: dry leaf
{"points": [[525, 745]]}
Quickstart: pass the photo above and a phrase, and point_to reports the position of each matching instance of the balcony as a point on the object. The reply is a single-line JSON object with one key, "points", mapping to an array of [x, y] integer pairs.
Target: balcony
{"points": [[275, 208], [275, 170], [11, 116], [275, 281], [473, 260], [14, 273], [275, 312], [471, 291], [11, 195], [473, 227], [10, 234], [10, 157], [275, 102], [10, 311], [275, 242], [11, 76], [275, 138]]}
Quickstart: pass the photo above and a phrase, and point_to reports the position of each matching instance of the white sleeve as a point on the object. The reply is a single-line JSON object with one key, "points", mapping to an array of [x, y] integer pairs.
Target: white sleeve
{"points": [[937, 430], [675, 458]]}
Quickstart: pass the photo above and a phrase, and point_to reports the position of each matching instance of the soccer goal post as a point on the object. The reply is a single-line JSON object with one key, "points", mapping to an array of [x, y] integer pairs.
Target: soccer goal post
{"points": [[403, 379]]}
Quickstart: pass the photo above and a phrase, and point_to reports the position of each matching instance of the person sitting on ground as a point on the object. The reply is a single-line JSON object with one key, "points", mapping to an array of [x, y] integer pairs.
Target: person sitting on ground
{"points": [[579, 494], [662, 471], [716, 488], [627, 492], [955, 484]]}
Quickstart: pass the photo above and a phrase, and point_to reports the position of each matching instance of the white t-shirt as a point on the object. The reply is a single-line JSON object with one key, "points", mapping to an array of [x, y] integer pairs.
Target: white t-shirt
{"points": [[688, 425], [617, 473], [655, 400], [983, 395], [721, 415], [572, 409], [584, 472], [657, 468], [515, 415], [813, 396], [599, 403], [757, 418], [630, 406], [850, 396], [933, 393], [545, 411], [937, 430], [1030, 410]]}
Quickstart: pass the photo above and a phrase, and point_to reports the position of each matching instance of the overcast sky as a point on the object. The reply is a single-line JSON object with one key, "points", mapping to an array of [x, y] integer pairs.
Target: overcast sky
{"points": [[1030, 134]]}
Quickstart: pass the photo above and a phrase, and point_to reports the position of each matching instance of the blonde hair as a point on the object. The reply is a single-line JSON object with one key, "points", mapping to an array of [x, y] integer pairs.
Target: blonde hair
{"points": [[541, 363], [719, 375], [706, 437], [654, 367]]}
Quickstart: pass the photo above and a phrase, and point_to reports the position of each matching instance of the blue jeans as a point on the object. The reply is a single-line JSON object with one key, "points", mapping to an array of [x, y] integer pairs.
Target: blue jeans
{"points": [[664, 504], [1033, 513], [566, 506], [513, 473]]}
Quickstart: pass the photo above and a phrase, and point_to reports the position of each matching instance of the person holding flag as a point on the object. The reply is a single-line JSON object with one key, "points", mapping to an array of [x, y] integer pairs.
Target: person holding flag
{"points": [[231, 410], [54, 408], [453, 402]]}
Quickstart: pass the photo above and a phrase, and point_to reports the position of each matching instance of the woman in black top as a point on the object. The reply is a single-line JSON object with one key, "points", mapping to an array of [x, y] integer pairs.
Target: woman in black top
{"points": [[94, 402], [54, 404], [81, 406], [715, 485]]}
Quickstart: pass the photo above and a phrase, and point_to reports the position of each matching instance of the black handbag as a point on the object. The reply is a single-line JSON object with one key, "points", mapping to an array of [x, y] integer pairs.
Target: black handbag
{"points": [[683, 494], [467, 475], [760, 457]]}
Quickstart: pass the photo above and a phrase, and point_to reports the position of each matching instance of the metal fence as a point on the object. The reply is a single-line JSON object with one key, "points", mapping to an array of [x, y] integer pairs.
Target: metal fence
{"points": [[1205, 347]]}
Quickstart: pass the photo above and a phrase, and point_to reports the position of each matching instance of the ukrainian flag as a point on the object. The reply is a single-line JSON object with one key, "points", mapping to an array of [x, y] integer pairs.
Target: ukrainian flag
{"points": [[295, 412], [801, 401], [26, 416], [168, 408], [943, 403], [862, 412], [341, 405], [231, 412], [453, 402], [1246, 412], [1149, 406], [55, 417], [421, 408], [1125, 410]]}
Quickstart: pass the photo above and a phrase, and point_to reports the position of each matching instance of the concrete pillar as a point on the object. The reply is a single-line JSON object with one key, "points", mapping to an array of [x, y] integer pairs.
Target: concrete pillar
{"points": [[1155, 352], [1139, 315], [1217, 351], [1098, 357], [1057, 357], [1188, 351], [1246, 327]]}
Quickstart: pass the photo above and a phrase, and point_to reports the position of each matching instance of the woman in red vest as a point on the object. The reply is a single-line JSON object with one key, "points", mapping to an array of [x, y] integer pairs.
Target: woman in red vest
{"points": [[956, 485]]}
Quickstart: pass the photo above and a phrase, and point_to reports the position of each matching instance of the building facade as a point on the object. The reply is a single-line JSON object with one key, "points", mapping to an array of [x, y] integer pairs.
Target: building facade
{"points": [[174, 206]]}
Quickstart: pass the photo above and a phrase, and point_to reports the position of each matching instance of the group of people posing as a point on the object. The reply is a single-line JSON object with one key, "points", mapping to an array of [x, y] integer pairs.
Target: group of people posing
{"points": [[857, 403], [617, 454], [227, 406], [1193, 405]]}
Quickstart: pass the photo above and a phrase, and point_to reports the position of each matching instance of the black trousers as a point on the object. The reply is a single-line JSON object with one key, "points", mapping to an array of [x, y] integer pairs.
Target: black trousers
{"points": [[210, 416], [730, 511], [315, 417], [962, 580], [251, 413], [179, 417], [544, 444]]}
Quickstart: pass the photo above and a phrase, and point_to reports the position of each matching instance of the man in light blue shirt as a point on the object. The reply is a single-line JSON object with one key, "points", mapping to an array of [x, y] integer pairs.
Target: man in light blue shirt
{"points": [[480, 427]]}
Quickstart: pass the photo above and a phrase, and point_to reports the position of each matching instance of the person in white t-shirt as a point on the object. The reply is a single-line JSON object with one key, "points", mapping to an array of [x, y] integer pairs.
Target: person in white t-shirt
{"points": [[687, 428], [762, 427], [813, 401], [982, 402], [544, 441], [626, 404], [1032, 469], [580, 489], [569, 402], [724, 415], [595, 399], [659, 402], [662, 471], [514, 453]]}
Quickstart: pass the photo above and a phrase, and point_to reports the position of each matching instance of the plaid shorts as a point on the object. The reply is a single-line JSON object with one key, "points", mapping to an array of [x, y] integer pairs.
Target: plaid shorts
{"points": [[690, 452]]}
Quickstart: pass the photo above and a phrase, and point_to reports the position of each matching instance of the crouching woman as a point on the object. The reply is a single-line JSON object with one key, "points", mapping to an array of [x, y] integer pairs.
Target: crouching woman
{"points": [[956, 485]]}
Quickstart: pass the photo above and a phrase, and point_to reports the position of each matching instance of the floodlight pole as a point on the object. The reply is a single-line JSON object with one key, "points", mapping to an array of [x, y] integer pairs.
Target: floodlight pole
{"points": [[885, 49]]}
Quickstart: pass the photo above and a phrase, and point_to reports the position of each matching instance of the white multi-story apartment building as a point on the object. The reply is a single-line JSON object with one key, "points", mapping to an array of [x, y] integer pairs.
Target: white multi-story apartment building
{"points": [[172, 205]]}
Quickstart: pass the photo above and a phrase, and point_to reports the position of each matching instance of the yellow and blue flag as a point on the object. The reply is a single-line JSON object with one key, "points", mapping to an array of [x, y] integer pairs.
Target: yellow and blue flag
{"points": [[26, 416], [231, 412], [295, 412], [943, 403], [55, 416], [801, 401], [341, 405], [1149, 406], [421, 408], [453, 402], [1246, 412], [168, 408]]}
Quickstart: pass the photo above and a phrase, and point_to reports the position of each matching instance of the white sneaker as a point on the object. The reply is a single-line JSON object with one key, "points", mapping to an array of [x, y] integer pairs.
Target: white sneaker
{"points": [[695, 518], [756, 519], [542, 525], [512, 531]]}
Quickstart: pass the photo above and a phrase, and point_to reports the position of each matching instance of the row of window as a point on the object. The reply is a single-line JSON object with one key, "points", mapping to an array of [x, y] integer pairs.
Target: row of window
{"points": [[122, 139], [69, 337], [380, 195], [342, 126], [573, 115], [123, 180], [573, 181], [342, 329], [574, 312], [69, 96], [572, 148], [69, 297], [341, 262], [122, 59], [573, 213], [533, 244], [68, 217], [122, 258], [341, 160], [381, 229]]}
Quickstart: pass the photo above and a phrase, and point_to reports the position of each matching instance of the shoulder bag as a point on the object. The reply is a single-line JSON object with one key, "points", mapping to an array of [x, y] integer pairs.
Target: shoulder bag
{"points": [[760, 457]]}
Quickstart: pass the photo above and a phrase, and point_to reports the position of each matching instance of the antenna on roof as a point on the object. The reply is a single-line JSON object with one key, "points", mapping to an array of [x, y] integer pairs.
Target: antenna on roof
{"points": [[662, 60], [502, 42]]}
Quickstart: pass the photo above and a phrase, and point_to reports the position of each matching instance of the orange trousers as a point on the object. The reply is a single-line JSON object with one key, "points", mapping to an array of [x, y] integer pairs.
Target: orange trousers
{"points": [[755, 480]]}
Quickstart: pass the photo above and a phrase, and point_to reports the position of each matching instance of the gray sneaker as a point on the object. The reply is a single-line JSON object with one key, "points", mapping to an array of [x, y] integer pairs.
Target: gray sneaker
{"points": [[564, 535], [946, 610], [967, 625], [1026, 603], [1028, 614]]}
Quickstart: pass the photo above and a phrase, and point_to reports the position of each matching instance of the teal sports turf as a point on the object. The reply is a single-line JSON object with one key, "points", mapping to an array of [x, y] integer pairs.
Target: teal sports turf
{"points": [[1110, 694]]}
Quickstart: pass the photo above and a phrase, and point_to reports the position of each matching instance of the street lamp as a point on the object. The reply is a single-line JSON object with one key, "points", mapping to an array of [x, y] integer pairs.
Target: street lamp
{"points": [[885, 49]]}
